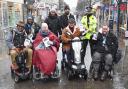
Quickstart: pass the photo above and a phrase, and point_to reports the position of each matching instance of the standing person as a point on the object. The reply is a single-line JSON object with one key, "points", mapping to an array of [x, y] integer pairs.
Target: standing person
{"points": [[65, 17], [53, 22], [64, 22], [31, 27], [105, 49], [89, 23]]}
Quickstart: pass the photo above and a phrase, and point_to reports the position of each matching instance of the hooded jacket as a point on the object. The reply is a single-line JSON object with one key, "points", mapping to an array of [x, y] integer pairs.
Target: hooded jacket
{"points": [[53, 24], [64, 20]]}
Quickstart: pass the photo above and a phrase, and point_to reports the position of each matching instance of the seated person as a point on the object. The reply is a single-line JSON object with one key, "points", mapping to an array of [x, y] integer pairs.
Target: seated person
{"points": [[69, 33], [105, 49], [45, 45], [45, 32], [15, 42]]}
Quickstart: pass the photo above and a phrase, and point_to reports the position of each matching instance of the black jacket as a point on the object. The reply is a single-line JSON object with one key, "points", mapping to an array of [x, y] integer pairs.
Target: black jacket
{"points": [[35, 26], [111, 44], [64, 20], [53, 24], [29, 26]]}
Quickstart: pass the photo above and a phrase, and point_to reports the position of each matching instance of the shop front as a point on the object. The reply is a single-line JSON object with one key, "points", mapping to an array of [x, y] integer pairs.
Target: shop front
{"points": [[11, 13]]}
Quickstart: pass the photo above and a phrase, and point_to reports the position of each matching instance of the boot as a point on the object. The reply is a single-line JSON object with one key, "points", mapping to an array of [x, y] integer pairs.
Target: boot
{"points": [[103, 76], [96, 75], [82, 60]]}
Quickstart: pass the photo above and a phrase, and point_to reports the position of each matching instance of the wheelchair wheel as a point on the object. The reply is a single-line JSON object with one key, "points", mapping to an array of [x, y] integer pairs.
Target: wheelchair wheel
{"points": [[12, 73]]}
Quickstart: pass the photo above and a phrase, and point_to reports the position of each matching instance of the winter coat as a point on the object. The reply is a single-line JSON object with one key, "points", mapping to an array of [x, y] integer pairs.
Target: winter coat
{"points": [[111, 44], [64, 20], [15, 38], [90, 24], [53, 25], [30, 27], [67, 35]]}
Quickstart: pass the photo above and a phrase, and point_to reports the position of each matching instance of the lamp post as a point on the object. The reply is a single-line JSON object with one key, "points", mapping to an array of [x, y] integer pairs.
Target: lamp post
{"points": [[25, 9], [90, 2], [118, 20], [127, 16]]}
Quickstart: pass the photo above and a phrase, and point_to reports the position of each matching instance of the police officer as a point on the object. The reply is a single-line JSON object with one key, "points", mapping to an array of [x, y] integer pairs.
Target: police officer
{"points": [[89, 23]]}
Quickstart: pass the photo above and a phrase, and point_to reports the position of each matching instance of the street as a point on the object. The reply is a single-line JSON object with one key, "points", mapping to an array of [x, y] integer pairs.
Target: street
{"points": [[27, 16], [120, 78]]}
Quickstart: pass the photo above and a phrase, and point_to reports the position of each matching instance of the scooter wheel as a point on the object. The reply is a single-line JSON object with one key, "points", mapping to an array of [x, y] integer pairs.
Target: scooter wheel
{"points": [[30, 76], [16, 78], [69, 75], [12, 73], [85, 76]]}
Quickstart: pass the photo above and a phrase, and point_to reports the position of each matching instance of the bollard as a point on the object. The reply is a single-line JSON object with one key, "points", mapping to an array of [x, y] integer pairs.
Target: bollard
{"points": [[126, 38]]}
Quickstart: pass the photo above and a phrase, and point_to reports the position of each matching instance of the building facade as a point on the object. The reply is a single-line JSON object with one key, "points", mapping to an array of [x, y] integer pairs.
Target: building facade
{"points": [[41, 9], [10, 13]]}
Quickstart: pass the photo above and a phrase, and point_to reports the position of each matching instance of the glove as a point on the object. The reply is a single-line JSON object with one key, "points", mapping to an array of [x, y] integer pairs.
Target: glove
{"points": [[84, 32], [94, 37], [51, 38]]}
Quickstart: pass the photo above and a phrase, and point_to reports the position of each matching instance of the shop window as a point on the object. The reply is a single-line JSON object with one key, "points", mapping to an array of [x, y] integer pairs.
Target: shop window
{"points": [[0, 15], [5, 16]]}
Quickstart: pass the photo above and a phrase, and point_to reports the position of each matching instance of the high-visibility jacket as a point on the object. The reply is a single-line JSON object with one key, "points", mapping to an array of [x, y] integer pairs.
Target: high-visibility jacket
{"points": [[90, 26]]}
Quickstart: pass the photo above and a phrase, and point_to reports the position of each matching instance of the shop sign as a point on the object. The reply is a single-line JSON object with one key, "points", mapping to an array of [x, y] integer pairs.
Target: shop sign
{"points": [[123, 6], [16, 1]]}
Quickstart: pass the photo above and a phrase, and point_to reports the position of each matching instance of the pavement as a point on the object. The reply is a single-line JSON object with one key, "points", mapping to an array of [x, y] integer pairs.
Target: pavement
{"points": [[119, 79]]}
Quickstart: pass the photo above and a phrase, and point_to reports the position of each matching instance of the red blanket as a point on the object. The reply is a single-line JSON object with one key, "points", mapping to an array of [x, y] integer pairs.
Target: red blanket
{"points": [[45, 59]]}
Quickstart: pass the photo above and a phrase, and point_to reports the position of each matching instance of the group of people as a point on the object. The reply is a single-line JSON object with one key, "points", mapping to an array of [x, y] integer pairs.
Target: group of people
{"points": [[65, 28]]}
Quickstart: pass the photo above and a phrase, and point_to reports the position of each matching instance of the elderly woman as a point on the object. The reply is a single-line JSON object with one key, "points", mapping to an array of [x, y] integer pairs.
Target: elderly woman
{"points": [[45, 54]]}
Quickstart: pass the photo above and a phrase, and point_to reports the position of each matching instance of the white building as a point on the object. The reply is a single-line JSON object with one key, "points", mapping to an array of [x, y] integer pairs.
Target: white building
{"points": [[42, 8]]}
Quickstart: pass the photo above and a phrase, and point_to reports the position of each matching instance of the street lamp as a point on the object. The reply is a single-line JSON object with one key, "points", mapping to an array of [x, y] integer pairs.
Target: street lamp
{"points": [[90, 2], [118, 20]]}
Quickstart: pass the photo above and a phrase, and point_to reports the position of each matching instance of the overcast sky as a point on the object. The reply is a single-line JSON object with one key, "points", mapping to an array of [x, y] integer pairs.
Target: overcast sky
{"points": [[71, 3]]}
